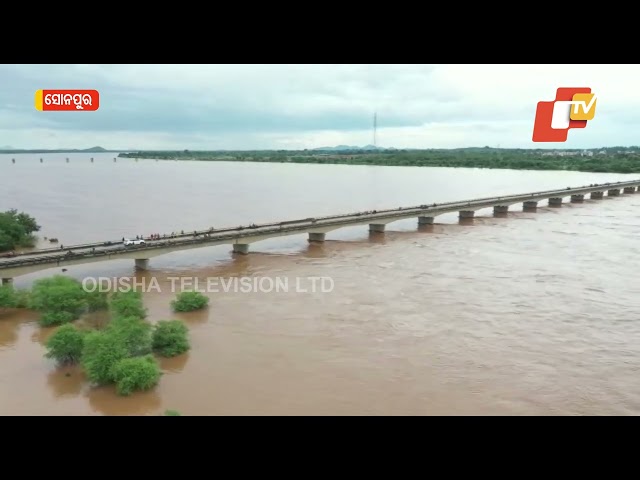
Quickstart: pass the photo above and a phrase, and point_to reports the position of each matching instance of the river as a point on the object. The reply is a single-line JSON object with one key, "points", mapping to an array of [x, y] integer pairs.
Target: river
{"points": [[528, 314]]}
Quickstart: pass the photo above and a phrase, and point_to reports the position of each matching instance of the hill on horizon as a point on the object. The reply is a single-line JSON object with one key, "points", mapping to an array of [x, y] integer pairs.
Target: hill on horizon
{"points": [[60, 150]]}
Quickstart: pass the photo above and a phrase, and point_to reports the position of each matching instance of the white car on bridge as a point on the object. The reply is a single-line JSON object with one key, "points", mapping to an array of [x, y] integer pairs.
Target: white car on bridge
{"points": [[128, 242]]}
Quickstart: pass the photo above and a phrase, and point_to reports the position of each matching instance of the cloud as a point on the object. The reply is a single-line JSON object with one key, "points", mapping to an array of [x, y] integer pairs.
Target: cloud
{"points": [[307, 106]]}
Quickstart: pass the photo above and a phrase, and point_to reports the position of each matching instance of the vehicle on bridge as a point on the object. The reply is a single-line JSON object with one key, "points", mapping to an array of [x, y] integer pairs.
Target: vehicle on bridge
{"points": [[129, 242]]}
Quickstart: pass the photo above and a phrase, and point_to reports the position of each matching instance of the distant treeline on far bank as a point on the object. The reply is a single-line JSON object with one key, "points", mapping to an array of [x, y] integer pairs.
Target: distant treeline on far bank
{"points": [[609, 160]]}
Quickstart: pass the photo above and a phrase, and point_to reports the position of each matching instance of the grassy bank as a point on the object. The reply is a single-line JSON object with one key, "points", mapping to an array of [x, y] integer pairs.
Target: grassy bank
{"points": [[606, 160]]}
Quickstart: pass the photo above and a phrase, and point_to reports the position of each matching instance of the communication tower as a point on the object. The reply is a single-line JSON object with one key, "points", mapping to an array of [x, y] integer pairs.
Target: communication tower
{"points": [[375, 129]]}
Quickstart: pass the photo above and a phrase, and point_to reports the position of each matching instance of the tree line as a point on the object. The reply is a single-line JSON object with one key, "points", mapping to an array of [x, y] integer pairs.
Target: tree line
{"points": [[606, 160]]}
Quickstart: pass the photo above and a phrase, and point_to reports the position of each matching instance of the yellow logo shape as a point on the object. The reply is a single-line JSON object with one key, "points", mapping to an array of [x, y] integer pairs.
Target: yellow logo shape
{"points": [[583, 106], [38, 100]]}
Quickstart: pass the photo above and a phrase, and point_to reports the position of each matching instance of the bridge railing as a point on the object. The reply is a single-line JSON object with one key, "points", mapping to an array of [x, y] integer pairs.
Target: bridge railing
{"points": [[158, 244]]}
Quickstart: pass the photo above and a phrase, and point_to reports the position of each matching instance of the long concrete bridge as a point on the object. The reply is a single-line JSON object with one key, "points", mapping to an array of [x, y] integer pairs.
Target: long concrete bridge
{"points": [[317, 228]]}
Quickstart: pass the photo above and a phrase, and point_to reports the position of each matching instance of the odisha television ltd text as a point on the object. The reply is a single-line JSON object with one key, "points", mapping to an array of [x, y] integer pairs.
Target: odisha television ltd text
{"points": [[210, 284]]}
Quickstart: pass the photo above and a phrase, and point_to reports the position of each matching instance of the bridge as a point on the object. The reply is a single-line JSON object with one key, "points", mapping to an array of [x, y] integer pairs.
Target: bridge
{"points": [[316, 227]]}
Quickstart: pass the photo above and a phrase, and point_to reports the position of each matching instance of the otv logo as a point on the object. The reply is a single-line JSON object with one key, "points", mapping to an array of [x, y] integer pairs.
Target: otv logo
{"points": [[572, 108]]}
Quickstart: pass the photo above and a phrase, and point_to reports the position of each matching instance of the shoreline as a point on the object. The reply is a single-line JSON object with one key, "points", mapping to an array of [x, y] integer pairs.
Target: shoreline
{"points": [[622, 162]]}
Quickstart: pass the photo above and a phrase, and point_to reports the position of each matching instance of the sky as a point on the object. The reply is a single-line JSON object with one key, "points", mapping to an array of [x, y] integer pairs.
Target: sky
{"points": [[245, 107]]}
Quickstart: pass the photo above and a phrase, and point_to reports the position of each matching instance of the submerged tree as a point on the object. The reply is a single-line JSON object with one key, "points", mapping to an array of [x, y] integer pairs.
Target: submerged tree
{"points": [[128, 304], [122, 352], [65, 346], [132, 332], [7, 296], [16, 230], [97, 300], [137, 373], [170, 338], [60, 299], [101, 352], [189, 301]]}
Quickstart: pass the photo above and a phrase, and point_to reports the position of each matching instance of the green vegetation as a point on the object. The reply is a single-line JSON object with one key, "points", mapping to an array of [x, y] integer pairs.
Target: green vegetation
{"points": [[21, 298], [189, 301], [138, 373], [133, 333], [62, 299], [12, 298], [611, 160], [170, 338], [17, 230], [172, 413], [102, 351], [66, 344], [122, 352], [128, 304], [7, 296], [96, 301]]}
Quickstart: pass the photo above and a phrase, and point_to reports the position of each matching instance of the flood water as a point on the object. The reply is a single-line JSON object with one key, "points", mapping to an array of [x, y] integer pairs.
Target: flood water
{"points": [[528, 314]]}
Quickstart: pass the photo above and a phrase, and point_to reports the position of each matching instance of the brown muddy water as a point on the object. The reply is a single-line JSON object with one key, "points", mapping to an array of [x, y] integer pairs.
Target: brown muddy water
{"points": [[528, 314]]}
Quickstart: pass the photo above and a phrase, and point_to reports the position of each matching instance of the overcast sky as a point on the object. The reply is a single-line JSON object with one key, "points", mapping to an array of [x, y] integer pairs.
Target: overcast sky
{"points": [[308, 106]]}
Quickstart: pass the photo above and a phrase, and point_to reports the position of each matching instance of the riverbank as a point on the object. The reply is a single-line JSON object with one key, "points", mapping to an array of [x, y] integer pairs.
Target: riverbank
{"points": [[608, 160]]}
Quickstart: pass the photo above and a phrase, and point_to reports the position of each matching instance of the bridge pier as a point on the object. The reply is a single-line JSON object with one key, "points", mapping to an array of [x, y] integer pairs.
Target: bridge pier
{"points": [[597, 195], [6, 281], [614, 192], [377, 227], [142, 264], [555, 201], [577, 198], [466, 213], [629, 190], [425, 220], [242, 248], [316, 236], [500, 209], [530, 206]]}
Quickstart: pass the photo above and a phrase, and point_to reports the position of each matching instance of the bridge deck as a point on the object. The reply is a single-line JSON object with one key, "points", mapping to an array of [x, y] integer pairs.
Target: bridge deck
{"points": [[87, 253]]}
